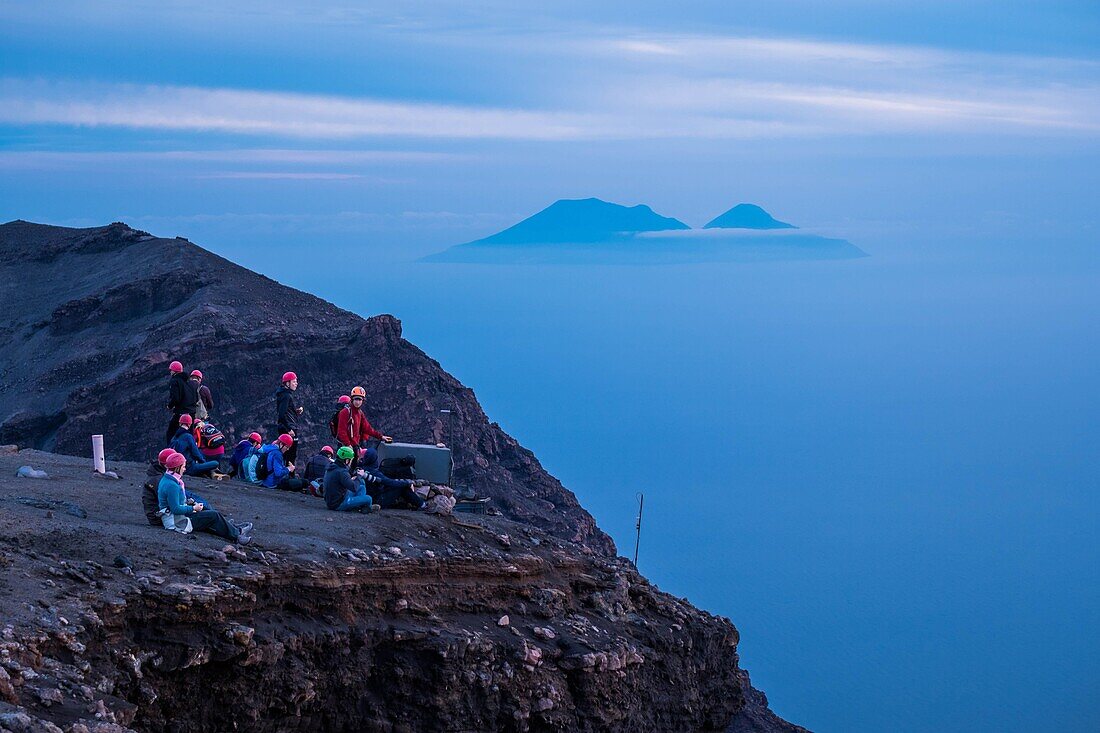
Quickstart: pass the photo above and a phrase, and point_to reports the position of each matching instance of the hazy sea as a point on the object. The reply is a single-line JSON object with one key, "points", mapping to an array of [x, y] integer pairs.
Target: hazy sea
{"points": [[883, 470]]}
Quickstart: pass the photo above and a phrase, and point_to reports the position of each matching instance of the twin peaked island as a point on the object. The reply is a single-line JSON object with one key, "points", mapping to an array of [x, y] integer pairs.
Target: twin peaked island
{"points": [[581, 231]]}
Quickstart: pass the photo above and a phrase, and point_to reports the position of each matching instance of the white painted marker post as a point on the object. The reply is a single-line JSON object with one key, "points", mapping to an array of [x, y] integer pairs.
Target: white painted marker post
{"points": [[98, 461]]}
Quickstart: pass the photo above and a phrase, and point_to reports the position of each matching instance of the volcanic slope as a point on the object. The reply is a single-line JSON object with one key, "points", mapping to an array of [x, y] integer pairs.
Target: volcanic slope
{"points": [[94, 316]]}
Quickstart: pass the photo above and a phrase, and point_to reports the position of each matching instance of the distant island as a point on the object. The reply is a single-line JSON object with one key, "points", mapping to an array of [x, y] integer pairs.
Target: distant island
{"points": [[592, 231]]}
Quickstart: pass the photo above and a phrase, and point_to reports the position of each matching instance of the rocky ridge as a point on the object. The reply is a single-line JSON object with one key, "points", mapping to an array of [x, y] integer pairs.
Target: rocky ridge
{"points": [[93, 316]]}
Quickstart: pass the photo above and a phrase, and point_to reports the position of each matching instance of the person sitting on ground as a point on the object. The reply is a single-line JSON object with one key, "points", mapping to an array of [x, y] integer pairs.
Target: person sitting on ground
{"points": [[181, 398], [319, 463], [177, 514], [280, 475], [156, 470], [315, 470], [243, 450], [211, 443], [287, 411], [344, 493], [184, 443], [389, 493]]}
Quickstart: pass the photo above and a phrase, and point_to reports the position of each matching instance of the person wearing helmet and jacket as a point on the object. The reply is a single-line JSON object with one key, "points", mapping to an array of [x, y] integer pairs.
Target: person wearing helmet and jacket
{"points": [[353, 428], [205, 403], [184, 442], [343, 492], [287, 411], [241, 452], [177, 514], [280, 473], [182, 396]]}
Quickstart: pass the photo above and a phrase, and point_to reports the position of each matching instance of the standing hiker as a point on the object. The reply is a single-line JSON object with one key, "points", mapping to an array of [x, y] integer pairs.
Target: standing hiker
{"points": [[182, 396], [353, 428], [287, 411], [205, 404]]}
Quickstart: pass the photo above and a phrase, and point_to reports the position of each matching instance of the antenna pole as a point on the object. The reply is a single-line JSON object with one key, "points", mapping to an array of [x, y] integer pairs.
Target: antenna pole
{"points": [[638, 528]]}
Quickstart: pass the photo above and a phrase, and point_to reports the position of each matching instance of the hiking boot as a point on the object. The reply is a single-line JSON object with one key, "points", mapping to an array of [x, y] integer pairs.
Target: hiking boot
{"points": [[243, 527], [375, 508], [218, 475], [244, 538]]}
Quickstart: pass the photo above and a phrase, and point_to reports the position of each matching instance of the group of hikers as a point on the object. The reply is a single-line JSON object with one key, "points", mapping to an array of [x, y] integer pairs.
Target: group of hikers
{"points": [[349, 478]]}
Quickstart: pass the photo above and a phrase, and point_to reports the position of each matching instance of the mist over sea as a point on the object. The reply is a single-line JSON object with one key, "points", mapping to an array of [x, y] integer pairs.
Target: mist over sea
{"points": [[884, 470]]}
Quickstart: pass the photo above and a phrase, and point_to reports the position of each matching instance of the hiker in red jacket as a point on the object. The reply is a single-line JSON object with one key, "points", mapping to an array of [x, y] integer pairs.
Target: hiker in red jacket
{"points": [[353, 428]]}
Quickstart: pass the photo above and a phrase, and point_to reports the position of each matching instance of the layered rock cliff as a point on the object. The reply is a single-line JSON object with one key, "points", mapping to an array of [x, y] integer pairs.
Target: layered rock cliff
{"points": [[398, 621]]}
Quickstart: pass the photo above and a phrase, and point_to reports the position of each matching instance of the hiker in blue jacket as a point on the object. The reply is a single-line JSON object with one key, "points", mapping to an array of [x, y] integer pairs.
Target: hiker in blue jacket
{"points": [[386, 492], [184, 443], [280, 474], [243, 450], [343, 492], [172, 500]]}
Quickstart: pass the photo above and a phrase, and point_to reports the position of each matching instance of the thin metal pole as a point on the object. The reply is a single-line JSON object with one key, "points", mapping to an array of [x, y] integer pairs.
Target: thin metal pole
{"points": [[451, 442], [638, 527]]}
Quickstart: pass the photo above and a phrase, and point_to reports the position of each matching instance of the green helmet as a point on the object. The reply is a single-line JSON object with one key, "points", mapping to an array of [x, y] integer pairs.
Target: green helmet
{"points": [[346, 453]]}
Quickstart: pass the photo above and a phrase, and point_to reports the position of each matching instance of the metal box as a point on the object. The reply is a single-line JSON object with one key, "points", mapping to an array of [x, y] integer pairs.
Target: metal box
{"points": [[432, 462]]}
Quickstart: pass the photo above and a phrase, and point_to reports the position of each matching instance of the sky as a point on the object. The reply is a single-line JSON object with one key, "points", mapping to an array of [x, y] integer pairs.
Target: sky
{"points": [[407, 127]]}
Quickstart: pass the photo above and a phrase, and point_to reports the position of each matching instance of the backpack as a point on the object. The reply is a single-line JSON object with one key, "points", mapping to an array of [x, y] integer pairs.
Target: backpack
{"points": [[334, 423], [210, 437], [263, 465]]}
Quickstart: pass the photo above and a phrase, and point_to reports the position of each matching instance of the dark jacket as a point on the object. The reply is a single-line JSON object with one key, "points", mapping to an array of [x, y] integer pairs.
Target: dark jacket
{"points": [[276, 466], [184, 442], [316, 466], [182, 395], [286, 410], [338, 482]]}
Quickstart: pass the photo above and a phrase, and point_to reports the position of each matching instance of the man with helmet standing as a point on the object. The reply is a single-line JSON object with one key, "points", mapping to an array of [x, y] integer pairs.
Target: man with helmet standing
{"points": [[183, 396], [287, 411], [353, 428]]}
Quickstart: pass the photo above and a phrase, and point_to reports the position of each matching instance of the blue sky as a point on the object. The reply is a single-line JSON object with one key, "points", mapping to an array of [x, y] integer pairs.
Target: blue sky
{"points": [[409, 126]]}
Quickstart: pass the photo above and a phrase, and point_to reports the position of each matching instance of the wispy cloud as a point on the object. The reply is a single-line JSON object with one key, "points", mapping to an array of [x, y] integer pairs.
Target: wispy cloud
{"points": [[285, 175], [70, 159], [630, 86]]}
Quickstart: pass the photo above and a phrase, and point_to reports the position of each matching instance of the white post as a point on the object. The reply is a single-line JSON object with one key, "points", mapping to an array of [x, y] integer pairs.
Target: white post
{"points": [[98, 462]]}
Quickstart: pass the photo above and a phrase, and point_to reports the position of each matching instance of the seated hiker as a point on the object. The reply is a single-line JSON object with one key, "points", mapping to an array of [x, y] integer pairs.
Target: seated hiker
{"points": [[315, 471], [389, 493], [210, 440], [184, 443], [319, 463], [280, 475], [156, 470], [343, 492], [180, 516], [243, 450]]}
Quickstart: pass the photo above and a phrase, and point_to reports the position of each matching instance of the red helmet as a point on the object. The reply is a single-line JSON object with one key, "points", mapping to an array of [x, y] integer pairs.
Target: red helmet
{"points": [[256, 438], [286, 440], [163, 455], [174, 461], [175, 367], [186, 419], [288, 376], [344, 399], [196, 373], [326, 449]]}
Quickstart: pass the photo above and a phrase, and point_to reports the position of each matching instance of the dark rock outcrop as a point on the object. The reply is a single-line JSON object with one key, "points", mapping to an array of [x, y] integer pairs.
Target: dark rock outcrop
{"points": [[95, 315]]}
